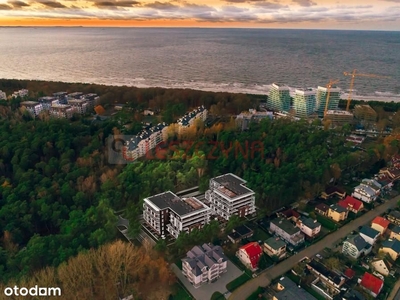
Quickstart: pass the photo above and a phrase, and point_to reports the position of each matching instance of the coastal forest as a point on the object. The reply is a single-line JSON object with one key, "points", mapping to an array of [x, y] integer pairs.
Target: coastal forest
{"points": [[59, 194]]}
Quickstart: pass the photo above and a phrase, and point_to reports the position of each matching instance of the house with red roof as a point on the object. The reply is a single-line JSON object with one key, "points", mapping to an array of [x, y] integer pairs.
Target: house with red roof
{"points": [[250, 255], [380, 224], [352, 204], [349, 273], [373, 285]]}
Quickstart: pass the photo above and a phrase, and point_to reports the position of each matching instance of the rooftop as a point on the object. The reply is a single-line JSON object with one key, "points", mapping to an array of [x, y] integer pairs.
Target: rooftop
{"points": [[243, 230], [322, 269], [381, 221], [47, 99], [185, 120], [280, 86], [181, 206], [290, 213], [286, 226], [322, 207], [339, 112], [29, 103], [333, 89], [275, 243], [133, 143], [310, 223], [368, 231], [395, 214], [204, 256], [394, 228], [252, 249], [350, 202], [358, 241], [372, 283], [392, 244], [337, 208], [334, 189], [232, 185], [292, 291]]}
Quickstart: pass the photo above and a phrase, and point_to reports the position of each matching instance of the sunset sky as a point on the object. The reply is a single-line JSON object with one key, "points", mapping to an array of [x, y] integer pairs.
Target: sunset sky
{"points": [[324, 14]]}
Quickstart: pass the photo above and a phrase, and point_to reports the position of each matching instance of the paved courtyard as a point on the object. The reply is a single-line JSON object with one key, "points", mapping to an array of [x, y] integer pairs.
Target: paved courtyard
{"points": [[205, 291]]}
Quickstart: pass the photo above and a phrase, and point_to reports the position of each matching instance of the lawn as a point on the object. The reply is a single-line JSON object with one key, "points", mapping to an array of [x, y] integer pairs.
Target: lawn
{"points": [[180, 293], [327, 223], [234, 284]]}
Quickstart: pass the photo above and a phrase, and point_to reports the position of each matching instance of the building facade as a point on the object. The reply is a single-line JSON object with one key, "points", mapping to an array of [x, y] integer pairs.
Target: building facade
{"points": [[308, 226], [339, 117], [275, 247], [369, 234], [279, 98], [337, 213], [228, 196], [304, 103], [21, 93], [61, 111], [250, 255], [287, 231], [322, 94], [204, 264], [355, 246], [33, 107], [166, 213], [189, 119]]}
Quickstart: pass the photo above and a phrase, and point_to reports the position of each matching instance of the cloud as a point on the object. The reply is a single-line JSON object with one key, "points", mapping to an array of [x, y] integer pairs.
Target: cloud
{"points": [[395, 1], [113, 4], [304, 2], [51, 4], [162, 5], [18, 4], [5, 7]]}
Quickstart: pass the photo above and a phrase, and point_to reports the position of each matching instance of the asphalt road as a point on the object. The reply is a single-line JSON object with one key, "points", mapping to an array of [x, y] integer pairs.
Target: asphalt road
{"points": [[265, 278]]}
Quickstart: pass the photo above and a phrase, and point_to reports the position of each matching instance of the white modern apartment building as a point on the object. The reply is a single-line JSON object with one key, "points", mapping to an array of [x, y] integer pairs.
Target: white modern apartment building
{"points": [[145, 141], [80, 106], [190, 118], [32, 107], [21, 93], [304, 102], [228, 195], [204, 264], [322, 94], [279, 97], [166, 213], [92, 99], [61, 111], [365, 192], [48, 101], [3, 95]]}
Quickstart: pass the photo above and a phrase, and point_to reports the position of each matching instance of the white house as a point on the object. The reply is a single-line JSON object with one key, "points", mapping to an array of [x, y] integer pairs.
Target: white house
{"points": [[287, 231], [250, 255], [381, 266], [355, 246], [369, 234], [365, 193], [308, 226], [204, 264]]}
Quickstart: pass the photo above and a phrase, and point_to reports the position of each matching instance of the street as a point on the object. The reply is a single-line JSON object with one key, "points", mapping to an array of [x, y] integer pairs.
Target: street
{"points": [[265, 278]]}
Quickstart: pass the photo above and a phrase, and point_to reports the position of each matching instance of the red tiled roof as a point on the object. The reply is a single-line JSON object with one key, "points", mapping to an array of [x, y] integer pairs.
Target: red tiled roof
{"points": [[381, 221], [254, 252], [372, 283], [350, 202], [349, 273], [290, 213], [322, 207]]}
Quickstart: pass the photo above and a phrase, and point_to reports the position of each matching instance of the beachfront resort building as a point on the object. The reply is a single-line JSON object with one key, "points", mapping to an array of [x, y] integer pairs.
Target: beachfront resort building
{"points": [[189, 119], [48, 101], [322, 94], [339, 117], [304, 103], [61, 111], [168, 214], [61, 97], [228, 196], [33, 107], [21, 93], [204, 264], [279, 98], [145, 141]]}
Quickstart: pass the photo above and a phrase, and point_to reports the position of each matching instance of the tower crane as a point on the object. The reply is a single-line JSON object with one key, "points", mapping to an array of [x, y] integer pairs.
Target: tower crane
{"points": [[353, 75], [329, 86]]}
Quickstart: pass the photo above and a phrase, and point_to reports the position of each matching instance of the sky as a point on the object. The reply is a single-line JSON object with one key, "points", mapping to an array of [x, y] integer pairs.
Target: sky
{"points": [[307, 14]]}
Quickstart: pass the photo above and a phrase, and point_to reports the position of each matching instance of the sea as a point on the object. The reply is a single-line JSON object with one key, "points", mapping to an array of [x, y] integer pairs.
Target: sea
{"points": [[212, 59]]}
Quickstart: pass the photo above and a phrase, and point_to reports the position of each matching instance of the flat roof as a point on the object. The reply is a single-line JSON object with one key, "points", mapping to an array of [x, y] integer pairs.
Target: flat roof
{"points": [[275, 243], [180, 206], [232, 185], [286, 226]]}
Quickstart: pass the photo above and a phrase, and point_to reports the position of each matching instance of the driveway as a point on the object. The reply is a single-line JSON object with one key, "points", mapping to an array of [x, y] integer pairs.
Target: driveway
{"points": [[265, 278], [205, 291]]}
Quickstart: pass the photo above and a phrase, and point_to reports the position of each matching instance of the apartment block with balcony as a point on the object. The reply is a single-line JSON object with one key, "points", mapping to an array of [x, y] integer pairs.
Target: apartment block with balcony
{"points": [[322, 94], [80, 106], [287, 231], [61, 111], [167, 213], [204, 264], [33, 107], [139, 145], [75, 95], [279, 97], [189, 119], [304, 103], [365, 115], [61, 97], [48, 101], [339, 117], [228, 196], [20, 93]]}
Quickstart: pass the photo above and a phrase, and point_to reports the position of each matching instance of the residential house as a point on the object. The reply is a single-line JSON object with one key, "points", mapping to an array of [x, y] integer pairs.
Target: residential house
{"points": [[204, 264], [394, 217], [381, 266], [349, 273], [287, 290], [385, 181], [287, 231], [369, 234], [289, 214], [393, 173], [240, 233], [371, 284], [380, 224], [355, 246], [337, 213], [322, 209], [331, 191], [250, 255], [228, 196], [167, 213], [351, 204], [391, 247], [275, 247], [328, 276], [365, 193], [352, 294], [308, 226], [374, 184], [394, 232]]}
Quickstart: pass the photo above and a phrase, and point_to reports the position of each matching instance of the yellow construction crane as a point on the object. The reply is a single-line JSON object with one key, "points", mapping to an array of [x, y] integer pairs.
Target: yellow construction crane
{"points": [[353, 75], [329, 86]]}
